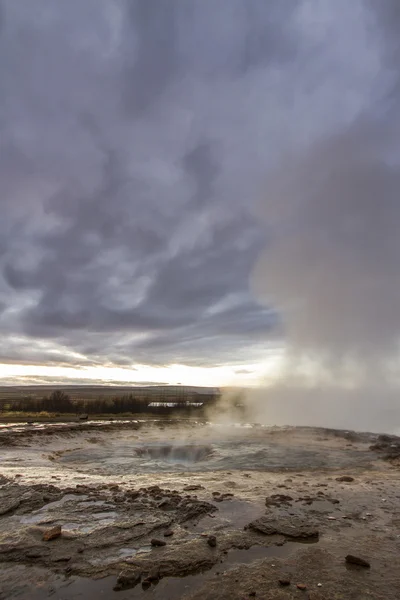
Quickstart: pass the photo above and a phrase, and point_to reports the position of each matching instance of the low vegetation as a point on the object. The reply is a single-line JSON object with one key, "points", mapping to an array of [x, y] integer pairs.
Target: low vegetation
{"points": [[59, 402]]}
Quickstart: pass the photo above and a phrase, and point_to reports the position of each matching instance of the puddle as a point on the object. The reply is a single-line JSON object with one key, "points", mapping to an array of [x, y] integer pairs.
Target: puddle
{"points": [[169, 587]]}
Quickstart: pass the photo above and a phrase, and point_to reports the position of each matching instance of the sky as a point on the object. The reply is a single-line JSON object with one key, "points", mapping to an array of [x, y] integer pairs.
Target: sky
{"points": [[184, 183]]}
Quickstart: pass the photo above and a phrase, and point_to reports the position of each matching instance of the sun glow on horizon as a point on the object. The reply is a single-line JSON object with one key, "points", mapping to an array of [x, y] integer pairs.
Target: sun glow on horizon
{"points": [[219, 376]]}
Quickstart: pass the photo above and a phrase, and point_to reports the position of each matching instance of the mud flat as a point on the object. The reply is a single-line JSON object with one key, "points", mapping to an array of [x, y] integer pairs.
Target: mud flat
{"points": [[194, 510]]}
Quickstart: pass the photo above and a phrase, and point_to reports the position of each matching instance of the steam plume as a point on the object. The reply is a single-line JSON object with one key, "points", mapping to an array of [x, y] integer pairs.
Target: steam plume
{"points": [[332, 268]]}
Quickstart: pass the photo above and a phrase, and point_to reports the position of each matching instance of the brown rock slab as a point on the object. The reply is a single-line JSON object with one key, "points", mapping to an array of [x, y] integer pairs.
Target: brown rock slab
{"points": [[345, 478], [294, 528], [301, 586], [52, 534]]}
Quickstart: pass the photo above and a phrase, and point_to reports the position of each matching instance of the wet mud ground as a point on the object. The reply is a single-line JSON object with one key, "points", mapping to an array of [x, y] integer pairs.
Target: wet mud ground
{"points": [[192, 510]]}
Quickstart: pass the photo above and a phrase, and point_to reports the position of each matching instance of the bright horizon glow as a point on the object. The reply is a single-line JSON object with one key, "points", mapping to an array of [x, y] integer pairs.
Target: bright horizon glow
{"points": [[221, 376]]}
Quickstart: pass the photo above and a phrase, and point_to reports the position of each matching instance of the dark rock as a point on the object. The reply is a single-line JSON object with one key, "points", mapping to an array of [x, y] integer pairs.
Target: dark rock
{"points": [[284, 582], [52, 534], [192, 488], [345, 478], [153, 576], [155, 542], [133, 494], [168, 533], [127, 580], [212, 541], [252, 594], [193, 509], [278, 499], [146, 584], [355, 560]]}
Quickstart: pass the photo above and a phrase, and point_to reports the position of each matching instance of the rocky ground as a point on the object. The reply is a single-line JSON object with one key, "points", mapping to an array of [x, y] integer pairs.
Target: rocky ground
{"points": [[316, 533]]}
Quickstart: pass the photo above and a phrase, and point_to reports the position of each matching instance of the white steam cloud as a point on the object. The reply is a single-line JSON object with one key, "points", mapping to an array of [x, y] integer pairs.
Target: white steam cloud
{"points": [[332, 269]]}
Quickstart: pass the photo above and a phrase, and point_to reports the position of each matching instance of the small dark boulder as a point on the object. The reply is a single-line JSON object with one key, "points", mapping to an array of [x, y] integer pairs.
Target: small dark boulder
{"points": [[155, 542], [127, 580], [355, 560], [278, 499], [168, 533]]}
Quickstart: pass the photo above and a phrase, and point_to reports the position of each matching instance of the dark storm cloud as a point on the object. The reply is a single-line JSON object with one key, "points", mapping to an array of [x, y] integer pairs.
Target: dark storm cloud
{"points": [[133, 144], [200, 164], [152, 58]]}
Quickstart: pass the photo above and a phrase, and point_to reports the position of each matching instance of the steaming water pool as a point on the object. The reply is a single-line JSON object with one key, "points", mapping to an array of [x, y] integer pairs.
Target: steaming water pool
{"points": [[207, 448]]}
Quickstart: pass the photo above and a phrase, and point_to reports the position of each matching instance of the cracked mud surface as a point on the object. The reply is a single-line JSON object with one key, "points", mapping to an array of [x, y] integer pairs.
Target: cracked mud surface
{"points": [[169, 510]]}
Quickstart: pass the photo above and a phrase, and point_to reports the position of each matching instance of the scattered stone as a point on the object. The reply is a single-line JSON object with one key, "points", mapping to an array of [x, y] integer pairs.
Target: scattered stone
{"points": [[157, 543], [355, 560], [192, 488], [212, 541], [284, 582], [345, 478], [52, 534], [127, 580], [301, 586], [168, 533]]}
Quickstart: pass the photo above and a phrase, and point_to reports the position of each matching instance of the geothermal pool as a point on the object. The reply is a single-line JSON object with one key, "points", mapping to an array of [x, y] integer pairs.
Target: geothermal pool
{"points": [[114, 488]]}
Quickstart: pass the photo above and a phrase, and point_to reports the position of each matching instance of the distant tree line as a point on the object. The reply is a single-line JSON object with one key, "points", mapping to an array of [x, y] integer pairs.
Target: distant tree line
{"points": [[60, 402]]}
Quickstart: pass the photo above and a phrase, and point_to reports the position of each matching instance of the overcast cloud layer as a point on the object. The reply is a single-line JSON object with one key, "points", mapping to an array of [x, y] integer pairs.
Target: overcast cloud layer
{"points": [[137, 139]]}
